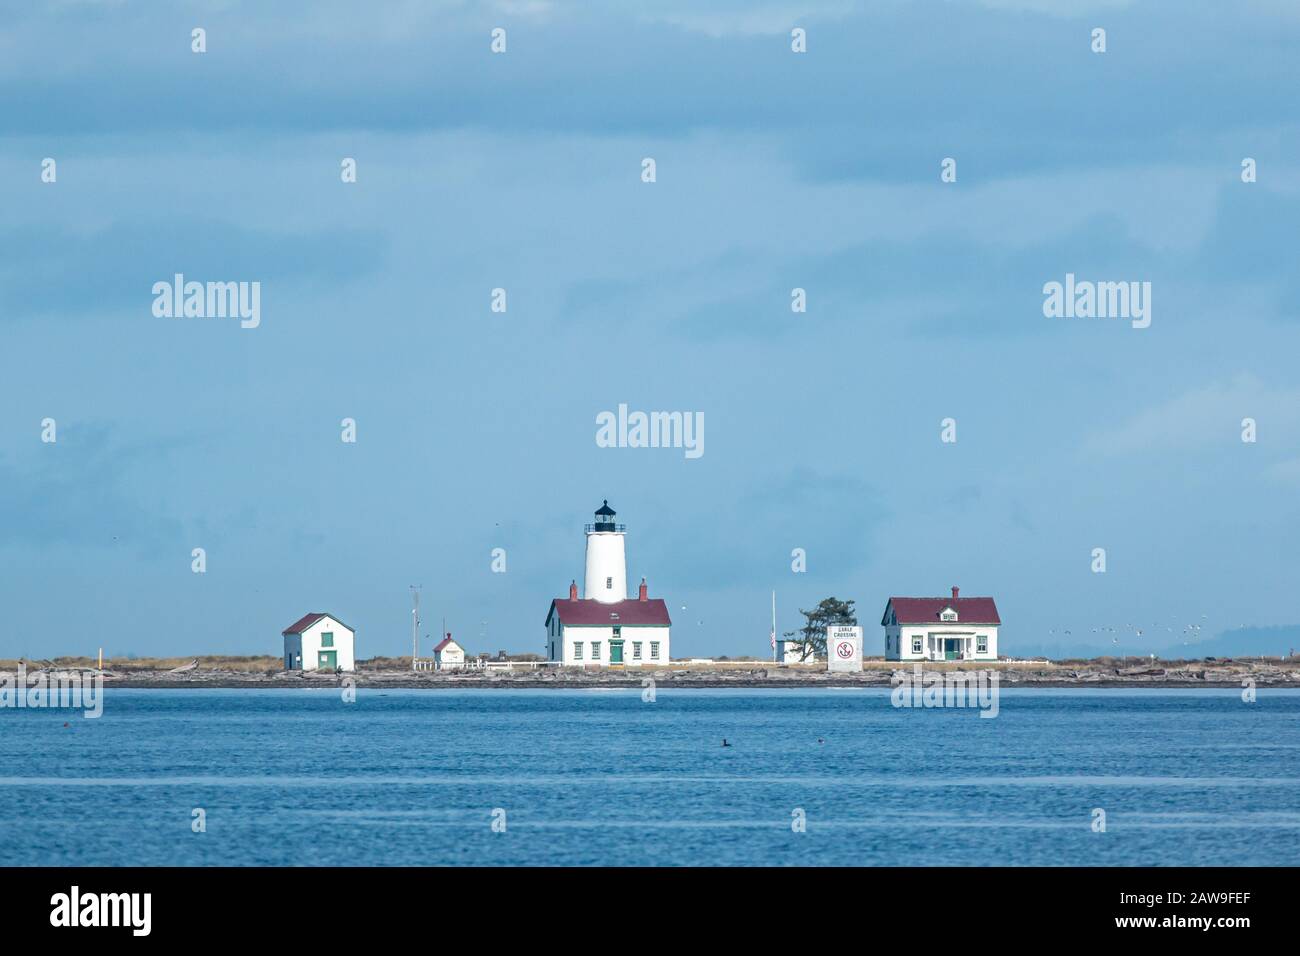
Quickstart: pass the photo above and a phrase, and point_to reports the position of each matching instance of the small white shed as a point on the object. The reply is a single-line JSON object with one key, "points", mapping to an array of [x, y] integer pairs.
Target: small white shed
{"points": [[319, 642], [790, 652], [448, 655]]}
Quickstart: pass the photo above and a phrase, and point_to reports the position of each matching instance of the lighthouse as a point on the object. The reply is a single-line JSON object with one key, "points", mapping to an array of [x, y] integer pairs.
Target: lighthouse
{"points": [[606, 579], [604, 628]]}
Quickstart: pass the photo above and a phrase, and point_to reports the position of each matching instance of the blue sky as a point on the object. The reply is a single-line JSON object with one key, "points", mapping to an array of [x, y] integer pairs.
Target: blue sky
{"points": [[522, 170]]}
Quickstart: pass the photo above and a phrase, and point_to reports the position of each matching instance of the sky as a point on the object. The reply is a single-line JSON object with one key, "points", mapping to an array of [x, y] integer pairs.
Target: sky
{"points": [[523, 170]]}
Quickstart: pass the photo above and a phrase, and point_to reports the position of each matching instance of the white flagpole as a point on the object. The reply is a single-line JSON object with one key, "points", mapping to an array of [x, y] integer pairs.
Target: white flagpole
{"points": [[774, 660]]}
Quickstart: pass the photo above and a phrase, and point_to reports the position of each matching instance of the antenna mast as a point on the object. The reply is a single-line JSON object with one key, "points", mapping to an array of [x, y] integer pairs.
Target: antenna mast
{"points": [[415, 624]]}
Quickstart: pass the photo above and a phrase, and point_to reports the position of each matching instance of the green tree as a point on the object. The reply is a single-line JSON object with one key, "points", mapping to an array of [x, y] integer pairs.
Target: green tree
{"points": [[811, 638]]}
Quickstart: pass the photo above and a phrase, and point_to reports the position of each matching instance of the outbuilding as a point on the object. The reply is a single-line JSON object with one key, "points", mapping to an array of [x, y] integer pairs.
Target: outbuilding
{"points": [[791, 652], [448, 655], [319, 642]]}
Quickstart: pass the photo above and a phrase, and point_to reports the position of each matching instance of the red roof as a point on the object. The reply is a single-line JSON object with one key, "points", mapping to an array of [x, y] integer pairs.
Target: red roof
{"points": [[592, 613], [443, 644], [300, 625], [970, 610]]}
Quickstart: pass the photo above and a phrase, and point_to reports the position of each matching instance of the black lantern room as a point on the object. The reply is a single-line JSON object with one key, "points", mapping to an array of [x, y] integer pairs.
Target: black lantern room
{"points": [[604, 517]]}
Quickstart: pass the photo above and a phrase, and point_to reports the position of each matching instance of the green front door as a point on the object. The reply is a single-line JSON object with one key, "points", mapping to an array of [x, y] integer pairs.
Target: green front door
{"points": [[328, 660], [616, 652]]}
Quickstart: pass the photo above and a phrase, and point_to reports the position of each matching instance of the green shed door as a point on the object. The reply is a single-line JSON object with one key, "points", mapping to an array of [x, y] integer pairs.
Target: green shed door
{"points": [[328, 660], [616, 652]]}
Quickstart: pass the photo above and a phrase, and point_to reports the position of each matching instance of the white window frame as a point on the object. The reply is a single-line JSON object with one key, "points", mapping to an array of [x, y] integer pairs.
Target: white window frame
{"points": [[595, 650], [981, 643], [577, 650], [918, 644], [654, 650], [636, 650]]}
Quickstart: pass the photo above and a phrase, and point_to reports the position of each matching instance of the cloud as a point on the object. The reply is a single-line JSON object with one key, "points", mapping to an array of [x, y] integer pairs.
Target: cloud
{"points": [[751, 533], [1286, 471], [1251, 242], [56, 270], [942, 284], [77, 493], [1208, 416], [880, 87], [723, 18], [1057, 8]]}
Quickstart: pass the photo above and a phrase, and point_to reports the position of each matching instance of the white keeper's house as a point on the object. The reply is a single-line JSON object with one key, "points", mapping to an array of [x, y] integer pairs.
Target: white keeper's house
{"points": [[604, 627], [319, 642], [941, 628]]}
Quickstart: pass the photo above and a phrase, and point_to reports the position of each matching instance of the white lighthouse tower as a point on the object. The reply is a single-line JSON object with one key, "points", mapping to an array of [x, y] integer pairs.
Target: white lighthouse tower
{"points": [[603, 628], [606, 579]]}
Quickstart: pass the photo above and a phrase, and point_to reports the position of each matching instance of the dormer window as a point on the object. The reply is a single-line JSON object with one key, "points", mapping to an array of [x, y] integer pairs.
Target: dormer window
{"points": [[947, 614]]}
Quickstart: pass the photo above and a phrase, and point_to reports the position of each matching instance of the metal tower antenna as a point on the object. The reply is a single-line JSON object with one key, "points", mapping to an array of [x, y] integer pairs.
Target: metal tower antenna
{"points": [[415, 624]]}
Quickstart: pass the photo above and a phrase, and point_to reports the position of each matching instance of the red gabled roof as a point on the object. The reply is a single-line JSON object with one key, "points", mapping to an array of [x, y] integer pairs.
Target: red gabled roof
{"points": [[592, 613], [300, 625], [970, 610], [443, 643]]}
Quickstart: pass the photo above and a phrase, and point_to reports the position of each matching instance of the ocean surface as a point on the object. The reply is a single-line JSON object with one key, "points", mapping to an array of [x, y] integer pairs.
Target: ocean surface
{"points": [[298, 777]]}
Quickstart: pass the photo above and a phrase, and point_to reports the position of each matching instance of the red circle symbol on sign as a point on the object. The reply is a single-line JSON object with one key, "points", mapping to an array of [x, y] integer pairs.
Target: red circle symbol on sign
{"points": [[844, 649]]}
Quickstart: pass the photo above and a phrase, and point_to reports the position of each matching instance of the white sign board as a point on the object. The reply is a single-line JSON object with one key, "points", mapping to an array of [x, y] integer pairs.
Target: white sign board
{"points": [[844, 648]]}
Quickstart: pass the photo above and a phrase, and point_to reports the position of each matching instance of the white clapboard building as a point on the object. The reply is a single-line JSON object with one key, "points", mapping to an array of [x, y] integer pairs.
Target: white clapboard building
{"points": [[604, 627], [319, 642], [792, 652], [448, 655], [941, 628]]}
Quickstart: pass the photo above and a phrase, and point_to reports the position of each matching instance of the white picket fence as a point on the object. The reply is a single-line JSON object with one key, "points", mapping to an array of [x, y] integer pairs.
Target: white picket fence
{"points": [[429, 664]]}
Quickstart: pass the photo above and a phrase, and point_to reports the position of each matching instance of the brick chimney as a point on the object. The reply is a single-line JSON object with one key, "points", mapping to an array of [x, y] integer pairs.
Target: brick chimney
{"points": [[954, 592], [641, 595], [573, 590]]}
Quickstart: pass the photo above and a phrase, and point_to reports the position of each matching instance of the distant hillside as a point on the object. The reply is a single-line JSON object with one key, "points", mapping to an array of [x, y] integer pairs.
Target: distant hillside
{"points": [[1052, 650], [1243, 642]]}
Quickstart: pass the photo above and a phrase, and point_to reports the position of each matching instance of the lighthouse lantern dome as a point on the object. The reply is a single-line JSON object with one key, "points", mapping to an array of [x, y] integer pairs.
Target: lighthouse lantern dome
{"points": [[605, 518]]}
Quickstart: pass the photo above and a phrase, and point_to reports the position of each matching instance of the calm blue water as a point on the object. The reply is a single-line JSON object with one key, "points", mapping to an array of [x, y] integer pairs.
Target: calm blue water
{"points": [[599, 777]]}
